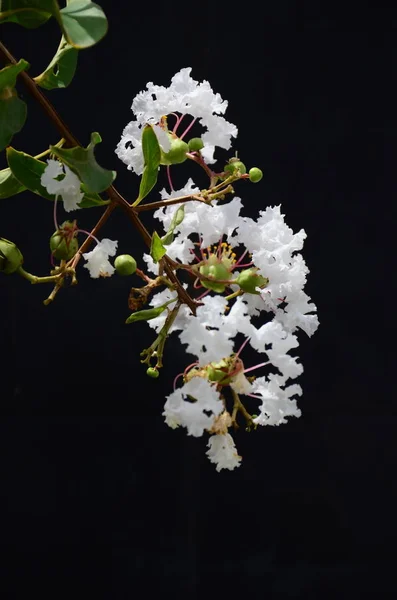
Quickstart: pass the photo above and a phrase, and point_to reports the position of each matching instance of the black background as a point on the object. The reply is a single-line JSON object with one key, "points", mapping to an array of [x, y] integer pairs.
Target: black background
{"points": [[99, 498]]}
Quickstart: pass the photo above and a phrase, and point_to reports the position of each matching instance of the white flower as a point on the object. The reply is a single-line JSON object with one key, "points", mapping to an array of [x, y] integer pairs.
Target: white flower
{"points": [[274, 249], [277, 401], [222, 452], [194, 406], [184, 96], [68, 187], [240, 384], [276, 342], [98, 259]]}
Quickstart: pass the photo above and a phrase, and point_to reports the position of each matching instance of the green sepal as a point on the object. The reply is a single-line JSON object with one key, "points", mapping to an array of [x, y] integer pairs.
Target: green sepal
{"points": [[28, 13], [146, 315], [9, 184], [61, 69], [83, 23], [28, 171], [157, 249], [82, 162], [177, 219], [152, 156]]}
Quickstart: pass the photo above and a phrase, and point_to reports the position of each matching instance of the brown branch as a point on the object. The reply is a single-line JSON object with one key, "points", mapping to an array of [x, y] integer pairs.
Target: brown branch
{"points": [[113, 194]]}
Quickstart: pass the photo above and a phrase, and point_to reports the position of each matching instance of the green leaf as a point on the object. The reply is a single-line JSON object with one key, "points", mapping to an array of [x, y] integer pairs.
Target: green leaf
{"points": [[13, 112], [28, 13], [152, 156], [82, 162], [177, 219], [83, 23], [28, 171], [61, 69], [12, 109], [146, 315], [9, 185], [8, 75], [157, 249]]}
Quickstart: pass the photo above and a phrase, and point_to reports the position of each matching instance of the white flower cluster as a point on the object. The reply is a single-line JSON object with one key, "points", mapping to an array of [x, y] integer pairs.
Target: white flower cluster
{"points": [[273, 249], [184, 96]]}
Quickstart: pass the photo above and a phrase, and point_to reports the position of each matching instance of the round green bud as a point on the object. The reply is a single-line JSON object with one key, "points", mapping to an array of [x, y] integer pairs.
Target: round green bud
{"points": [[125, 264], [233, 166], [195, 144], [214, 272], [152, 372], [176, 154], [255, 174], [61, 247], [10, 257], [248, 280]]}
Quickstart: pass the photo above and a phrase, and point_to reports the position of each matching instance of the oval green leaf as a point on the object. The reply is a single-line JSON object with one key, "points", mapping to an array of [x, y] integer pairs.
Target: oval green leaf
{"points": [[82, 162], [146, 315], [28, 13], [157, 250], [83, 23], [61, 69], [152, 156], [8, 75], [13, 112], [9, 184]]}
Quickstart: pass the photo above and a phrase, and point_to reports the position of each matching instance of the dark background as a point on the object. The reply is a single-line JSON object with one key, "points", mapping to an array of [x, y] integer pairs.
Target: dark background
{"points": [[99, 498]]}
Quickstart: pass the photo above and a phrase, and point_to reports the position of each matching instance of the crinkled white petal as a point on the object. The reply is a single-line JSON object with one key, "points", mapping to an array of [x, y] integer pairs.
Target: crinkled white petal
{"points": [[185, 96], [98, 259], [197, 415], [222, 452], [68, 187], [277, 400], [240, 384]]}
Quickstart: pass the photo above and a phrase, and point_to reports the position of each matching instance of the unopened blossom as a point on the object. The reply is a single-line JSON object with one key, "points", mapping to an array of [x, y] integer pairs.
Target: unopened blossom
{"points": [[186, 97], [195, 406], [222, 452], [98, 259], [68, 187]]}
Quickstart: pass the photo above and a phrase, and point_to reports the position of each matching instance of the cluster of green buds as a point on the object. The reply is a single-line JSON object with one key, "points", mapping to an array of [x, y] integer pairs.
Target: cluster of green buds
{"points": [[215, 271], [237, 168], [10, 257]]}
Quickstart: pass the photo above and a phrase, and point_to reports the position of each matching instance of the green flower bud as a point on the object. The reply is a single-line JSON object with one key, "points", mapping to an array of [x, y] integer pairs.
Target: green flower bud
{"points": [[195, 144], [235, 165], [10, 257], [255, 174], [214, 272], [63, 244], [152, 372], [248, 280], [176, 154], [125, 264]]}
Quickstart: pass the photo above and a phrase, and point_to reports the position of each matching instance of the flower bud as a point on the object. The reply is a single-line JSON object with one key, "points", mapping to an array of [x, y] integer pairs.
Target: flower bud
{"points": [[214, 272], [63, 243], [152, 372], [125, 264], [255, 174], [176, 154], [235, 165], [10, 257], [195, 144], [248, 280]]}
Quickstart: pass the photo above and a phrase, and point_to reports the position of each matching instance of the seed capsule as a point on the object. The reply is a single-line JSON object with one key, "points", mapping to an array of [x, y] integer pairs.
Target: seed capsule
{"points": [[125, 264]]}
